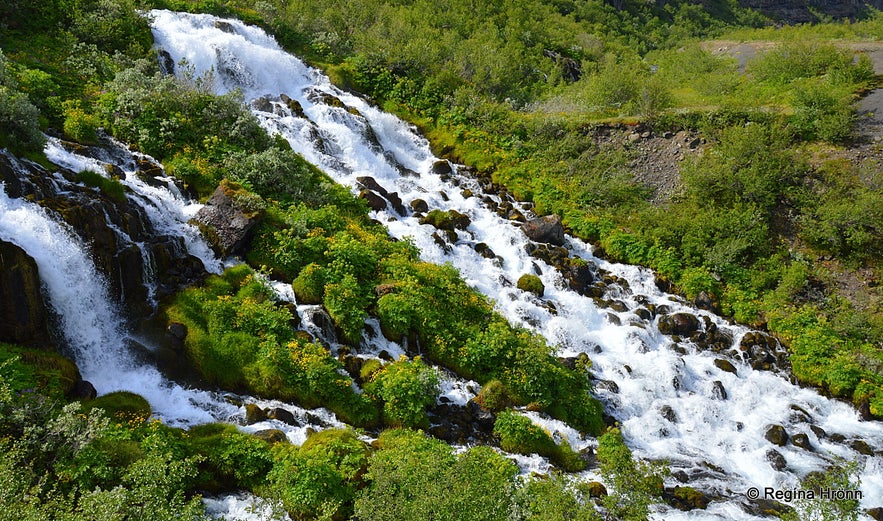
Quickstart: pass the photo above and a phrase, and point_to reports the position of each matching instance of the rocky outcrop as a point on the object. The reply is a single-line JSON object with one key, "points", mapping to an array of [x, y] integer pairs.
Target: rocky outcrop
{"points": [[21, 302], [225, 223]]}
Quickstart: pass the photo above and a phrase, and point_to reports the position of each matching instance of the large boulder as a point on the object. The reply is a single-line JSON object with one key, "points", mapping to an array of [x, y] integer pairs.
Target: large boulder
{"points": [[226, 224], [547, 229], [682, 324], [21, 302]]}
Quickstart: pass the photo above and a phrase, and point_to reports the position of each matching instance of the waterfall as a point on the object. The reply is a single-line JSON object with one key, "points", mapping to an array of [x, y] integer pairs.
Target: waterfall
{"points": [[672, 400], [90, 323]]}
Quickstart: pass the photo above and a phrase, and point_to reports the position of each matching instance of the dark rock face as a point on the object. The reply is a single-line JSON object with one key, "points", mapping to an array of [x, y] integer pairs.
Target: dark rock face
{"points": [[377, 196], [725, 365], [21, 302], [226, 225], [801, 440], [777, 461], [686, 498], [547, 229]]}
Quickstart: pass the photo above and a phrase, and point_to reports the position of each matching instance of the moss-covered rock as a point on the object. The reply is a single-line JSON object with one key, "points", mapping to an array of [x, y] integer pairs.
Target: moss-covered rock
{"points": [[493, 396], [121, 405], [532, 284]]}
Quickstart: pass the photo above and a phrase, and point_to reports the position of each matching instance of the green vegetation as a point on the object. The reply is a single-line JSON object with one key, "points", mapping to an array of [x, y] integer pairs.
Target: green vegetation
{"points": [[416, 477], [635, 485], [517, 433], [767, 200]]}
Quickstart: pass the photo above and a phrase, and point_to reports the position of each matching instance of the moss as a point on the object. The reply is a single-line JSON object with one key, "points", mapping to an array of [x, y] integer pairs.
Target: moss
{"points": [[45, 371], [493, 396], [120, 405], [369, 369], [109, 186], [309, 286], [531, 283]]}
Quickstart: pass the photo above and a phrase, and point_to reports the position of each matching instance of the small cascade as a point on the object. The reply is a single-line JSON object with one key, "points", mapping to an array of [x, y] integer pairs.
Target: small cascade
{"points": [[685, 385], [91, 324]]}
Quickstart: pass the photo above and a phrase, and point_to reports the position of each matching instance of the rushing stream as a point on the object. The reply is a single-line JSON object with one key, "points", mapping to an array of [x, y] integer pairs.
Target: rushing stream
{"points": [[672, 399]]}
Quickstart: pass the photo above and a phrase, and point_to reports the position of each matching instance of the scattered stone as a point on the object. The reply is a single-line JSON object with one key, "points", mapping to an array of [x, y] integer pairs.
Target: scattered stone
{"points": [[876, 513], [776, 435], [283, 415], [801, 440], [597, 489], [271, 436], [861, 447], [419, 205], [776, 460], [686, 498], [485, 251], [441, 168], [668, 413], [254, 414], [725, 365], [678, 324], [177, 330], [717, 390], [82, 390], [532, 284]]}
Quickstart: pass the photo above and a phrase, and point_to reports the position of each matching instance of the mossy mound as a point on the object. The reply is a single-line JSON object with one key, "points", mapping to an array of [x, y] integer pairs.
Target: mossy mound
{"points": [[121, 405], [531, 283]]}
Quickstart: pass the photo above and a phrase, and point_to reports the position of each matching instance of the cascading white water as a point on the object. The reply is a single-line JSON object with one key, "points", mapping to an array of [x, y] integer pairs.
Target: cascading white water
{"points": [[90, 323], [718, 440]]}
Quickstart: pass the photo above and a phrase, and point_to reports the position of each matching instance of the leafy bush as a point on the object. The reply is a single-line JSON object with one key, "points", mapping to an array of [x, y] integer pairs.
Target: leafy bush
{"points": [[406, 388], [19, 121], [632, 486], [233, 460], [319, 479], [412, 476], [163, 115], [517, 433], [279, 174]]}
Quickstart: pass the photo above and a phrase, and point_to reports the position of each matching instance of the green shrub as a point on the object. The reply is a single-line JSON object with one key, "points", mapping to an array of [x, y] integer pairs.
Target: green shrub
{"points": [[406, 388], [232, 460], [309, 286], [278, 174], [317, 481], [19, 122], [413, 476], [633, 486]]}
